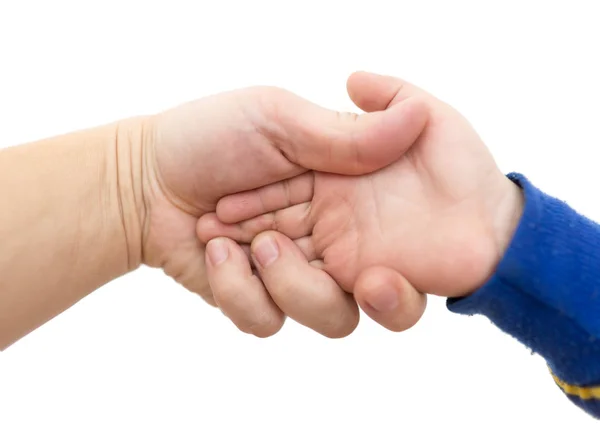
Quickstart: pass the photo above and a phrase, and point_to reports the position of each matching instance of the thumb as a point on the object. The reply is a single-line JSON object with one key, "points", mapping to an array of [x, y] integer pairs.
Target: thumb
{"points": [[389, 299], [374, 92], [324, 140]]}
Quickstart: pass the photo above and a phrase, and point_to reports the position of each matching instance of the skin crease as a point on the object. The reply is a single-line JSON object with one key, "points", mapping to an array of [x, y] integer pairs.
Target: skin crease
{"points": [[437, 221], [90, 206]]}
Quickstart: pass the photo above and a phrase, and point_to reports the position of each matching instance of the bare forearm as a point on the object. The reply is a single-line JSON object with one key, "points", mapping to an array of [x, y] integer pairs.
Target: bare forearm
{"points": [[70, 221]]}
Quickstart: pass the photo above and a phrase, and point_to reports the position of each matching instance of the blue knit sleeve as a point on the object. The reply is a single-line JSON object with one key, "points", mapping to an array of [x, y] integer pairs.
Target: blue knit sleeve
{"points": [[546, 293]]}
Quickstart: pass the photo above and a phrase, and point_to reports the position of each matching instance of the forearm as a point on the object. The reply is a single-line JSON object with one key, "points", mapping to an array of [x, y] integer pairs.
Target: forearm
{"points": [[546, 293], [71, 221]]}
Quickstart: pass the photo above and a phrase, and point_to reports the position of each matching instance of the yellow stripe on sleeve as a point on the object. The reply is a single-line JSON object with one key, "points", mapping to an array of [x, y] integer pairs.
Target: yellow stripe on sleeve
{"points": [[592, 392]]}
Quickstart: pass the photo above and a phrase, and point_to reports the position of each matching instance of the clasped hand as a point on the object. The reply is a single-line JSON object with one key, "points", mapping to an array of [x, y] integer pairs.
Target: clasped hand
{"points": [[308, 213]]}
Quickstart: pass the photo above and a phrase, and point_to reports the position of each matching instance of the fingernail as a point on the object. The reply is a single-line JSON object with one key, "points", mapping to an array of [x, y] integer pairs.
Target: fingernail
{"points": [[266, 251], [217, 251], [384, 300]]}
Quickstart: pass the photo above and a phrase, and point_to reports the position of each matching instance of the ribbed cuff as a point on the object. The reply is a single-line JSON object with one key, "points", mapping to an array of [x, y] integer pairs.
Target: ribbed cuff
{"points": [[546, 289]]}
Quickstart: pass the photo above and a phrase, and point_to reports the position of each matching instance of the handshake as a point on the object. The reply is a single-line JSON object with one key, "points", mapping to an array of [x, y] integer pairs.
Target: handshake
{"points": [[269, 206]]}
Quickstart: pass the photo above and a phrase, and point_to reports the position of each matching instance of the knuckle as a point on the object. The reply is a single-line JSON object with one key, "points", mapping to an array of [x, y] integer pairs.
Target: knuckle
{"points": [[226, 293], [339, 329], [341, 324], [263, 326], [261, 331], [268, 222], [287, 192]]}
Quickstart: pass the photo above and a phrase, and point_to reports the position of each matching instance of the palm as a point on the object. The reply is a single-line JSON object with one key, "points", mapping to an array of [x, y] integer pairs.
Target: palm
{"points": [[431, 216], [432, 208], [213, 141]]}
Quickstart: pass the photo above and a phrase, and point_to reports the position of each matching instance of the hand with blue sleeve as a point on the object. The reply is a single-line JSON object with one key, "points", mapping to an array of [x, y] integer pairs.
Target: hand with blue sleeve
{"points": [[442, 220], [441, 216]]}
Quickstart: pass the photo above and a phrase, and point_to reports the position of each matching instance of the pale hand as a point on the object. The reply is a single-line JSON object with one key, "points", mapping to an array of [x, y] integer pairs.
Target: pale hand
{"points": [[438, 219], [232, 142]]}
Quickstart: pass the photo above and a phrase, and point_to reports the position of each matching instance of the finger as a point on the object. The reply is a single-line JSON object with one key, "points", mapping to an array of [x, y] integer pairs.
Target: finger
{"points": [[389, 299], [374, 92], [240, 294], [305, 244], [305, 293], [320, 139], [295, 222], [246, 249], [280, 195], [201, 287]]}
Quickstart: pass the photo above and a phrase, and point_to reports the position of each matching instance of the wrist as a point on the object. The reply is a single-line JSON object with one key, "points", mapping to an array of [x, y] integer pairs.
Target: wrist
{"points": [[509, 212], [128, 165], [507, 208]]}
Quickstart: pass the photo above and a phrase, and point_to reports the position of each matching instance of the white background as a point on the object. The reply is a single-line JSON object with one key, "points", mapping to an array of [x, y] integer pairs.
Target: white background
{"points": [[143, 352]]}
